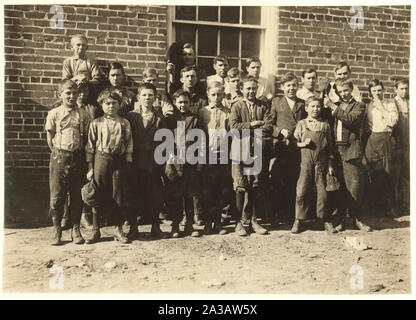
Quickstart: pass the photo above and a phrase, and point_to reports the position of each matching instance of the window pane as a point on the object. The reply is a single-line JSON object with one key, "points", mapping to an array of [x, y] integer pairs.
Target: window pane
{"points": [[230, 14], [233, 63], [185, 33], [250, 43], [206, 64], [229, 42], [185, 12], [207, 41], [208, 13], [252, 15]]}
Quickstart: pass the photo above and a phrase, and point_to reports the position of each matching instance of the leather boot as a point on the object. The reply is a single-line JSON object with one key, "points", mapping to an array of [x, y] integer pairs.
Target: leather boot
{"points": [[362, 226], [56, 236], [156, 232], [76, 235], [329, 227], [240, 230], [120, 236], [133, 233], [95, 236], [175, 231], [190, 231], [258, 228]]}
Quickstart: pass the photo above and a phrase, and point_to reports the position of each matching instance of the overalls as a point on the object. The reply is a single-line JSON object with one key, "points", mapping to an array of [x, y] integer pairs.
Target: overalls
{"points": [[313, 169]]}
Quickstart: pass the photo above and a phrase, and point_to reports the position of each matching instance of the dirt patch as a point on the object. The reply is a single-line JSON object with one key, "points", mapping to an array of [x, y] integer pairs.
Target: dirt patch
{"points": [[309, 263]]}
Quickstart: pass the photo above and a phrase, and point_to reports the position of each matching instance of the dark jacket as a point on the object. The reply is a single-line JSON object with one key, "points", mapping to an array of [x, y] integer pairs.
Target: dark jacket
{"points": [[284, 118], [352, 129]]}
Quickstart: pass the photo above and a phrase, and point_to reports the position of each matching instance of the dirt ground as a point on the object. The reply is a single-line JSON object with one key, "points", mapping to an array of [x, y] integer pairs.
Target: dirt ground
{"points": [[312, 262]]}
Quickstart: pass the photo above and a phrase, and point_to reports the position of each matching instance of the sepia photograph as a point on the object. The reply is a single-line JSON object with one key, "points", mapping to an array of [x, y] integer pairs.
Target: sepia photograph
{"points": [[187, 149]]}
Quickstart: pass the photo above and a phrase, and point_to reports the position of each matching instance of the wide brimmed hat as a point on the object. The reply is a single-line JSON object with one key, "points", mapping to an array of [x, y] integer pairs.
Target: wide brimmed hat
{"points": [[89, 193]]}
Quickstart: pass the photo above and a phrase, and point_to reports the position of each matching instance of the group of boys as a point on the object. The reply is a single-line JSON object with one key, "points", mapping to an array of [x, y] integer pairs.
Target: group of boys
{"points": [[304, 144]]}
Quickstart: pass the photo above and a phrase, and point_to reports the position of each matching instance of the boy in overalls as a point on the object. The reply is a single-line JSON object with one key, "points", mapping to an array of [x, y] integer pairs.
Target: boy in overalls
{"points": [[315, 139]]}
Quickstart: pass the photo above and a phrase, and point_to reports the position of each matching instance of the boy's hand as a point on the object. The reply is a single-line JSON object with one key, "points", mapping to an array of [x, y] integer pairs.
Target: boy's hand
{"points": [[304, 143], [331, 171], [170, 67], [256, 123], [285, 133], [90, 174], [167, 110]]}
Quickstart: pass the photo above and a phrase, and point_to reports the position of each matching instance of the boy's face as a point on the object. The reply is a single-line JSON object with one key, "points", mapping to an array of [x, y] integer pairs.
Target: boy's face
{"points": [[221, 68], [289, 89], [82, 95], [69, 96], [250, 90], [116, 77], [314, 109], [253, 69], [79, 46], [146, 97], [342, 73], [110, 106], [215, 96], [182, 103], [309, 80], [377, 92], [188, 56], [402, 90], [234, 84], [151, 79], [188, 79], [345, 92]]}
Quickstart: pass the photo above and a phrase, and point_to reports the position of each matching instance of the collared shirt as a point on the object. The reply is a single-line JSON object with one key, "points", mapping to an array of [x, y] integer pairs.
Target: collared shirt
{"points": [[110, 135], [216, 121], [382, 118], [403, 105], [74, 66], [70, 126], [291, 103], [304, 94]]}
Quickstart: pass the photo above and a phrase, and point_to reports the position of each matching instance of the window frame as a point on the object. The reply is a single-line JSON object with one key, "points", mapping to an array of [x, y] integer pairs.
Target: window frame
{"points": [[267, 27]]}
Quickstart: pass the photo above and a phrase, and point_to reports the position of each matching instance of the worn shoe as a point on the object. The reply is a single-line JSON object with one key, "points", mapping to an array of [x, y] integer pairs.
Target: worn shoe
{"points": [[341, 226], [119, 235], [190, 231], [240, 230], [175, 231], [133, 233], [329, 227], [218, 228], [297, 227], [95, 236], [258, 228], [362, 226], [208, 228], [156, 232], [56, 236], [76, 235]]}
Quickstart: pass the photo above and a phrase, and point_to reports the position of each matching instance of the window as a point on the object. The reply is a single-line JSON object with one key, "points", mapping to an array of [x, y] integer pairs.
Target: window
{"points": [[237, 32]]}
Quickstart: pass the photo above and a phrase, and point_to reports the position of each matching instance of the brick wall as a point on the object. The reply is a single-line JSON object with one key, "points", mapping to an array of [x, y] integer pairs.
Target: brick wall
{"points": [[137, 36], [34, 52], [319, 36]]}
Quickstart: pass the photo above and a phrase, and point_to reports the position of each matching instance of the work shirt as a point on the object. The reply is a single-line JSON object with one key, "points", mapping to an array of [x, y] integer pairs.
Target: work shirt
{"points": [[212, 119], [70, 126], [111, 135], [384, 118], [74, 66]]}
